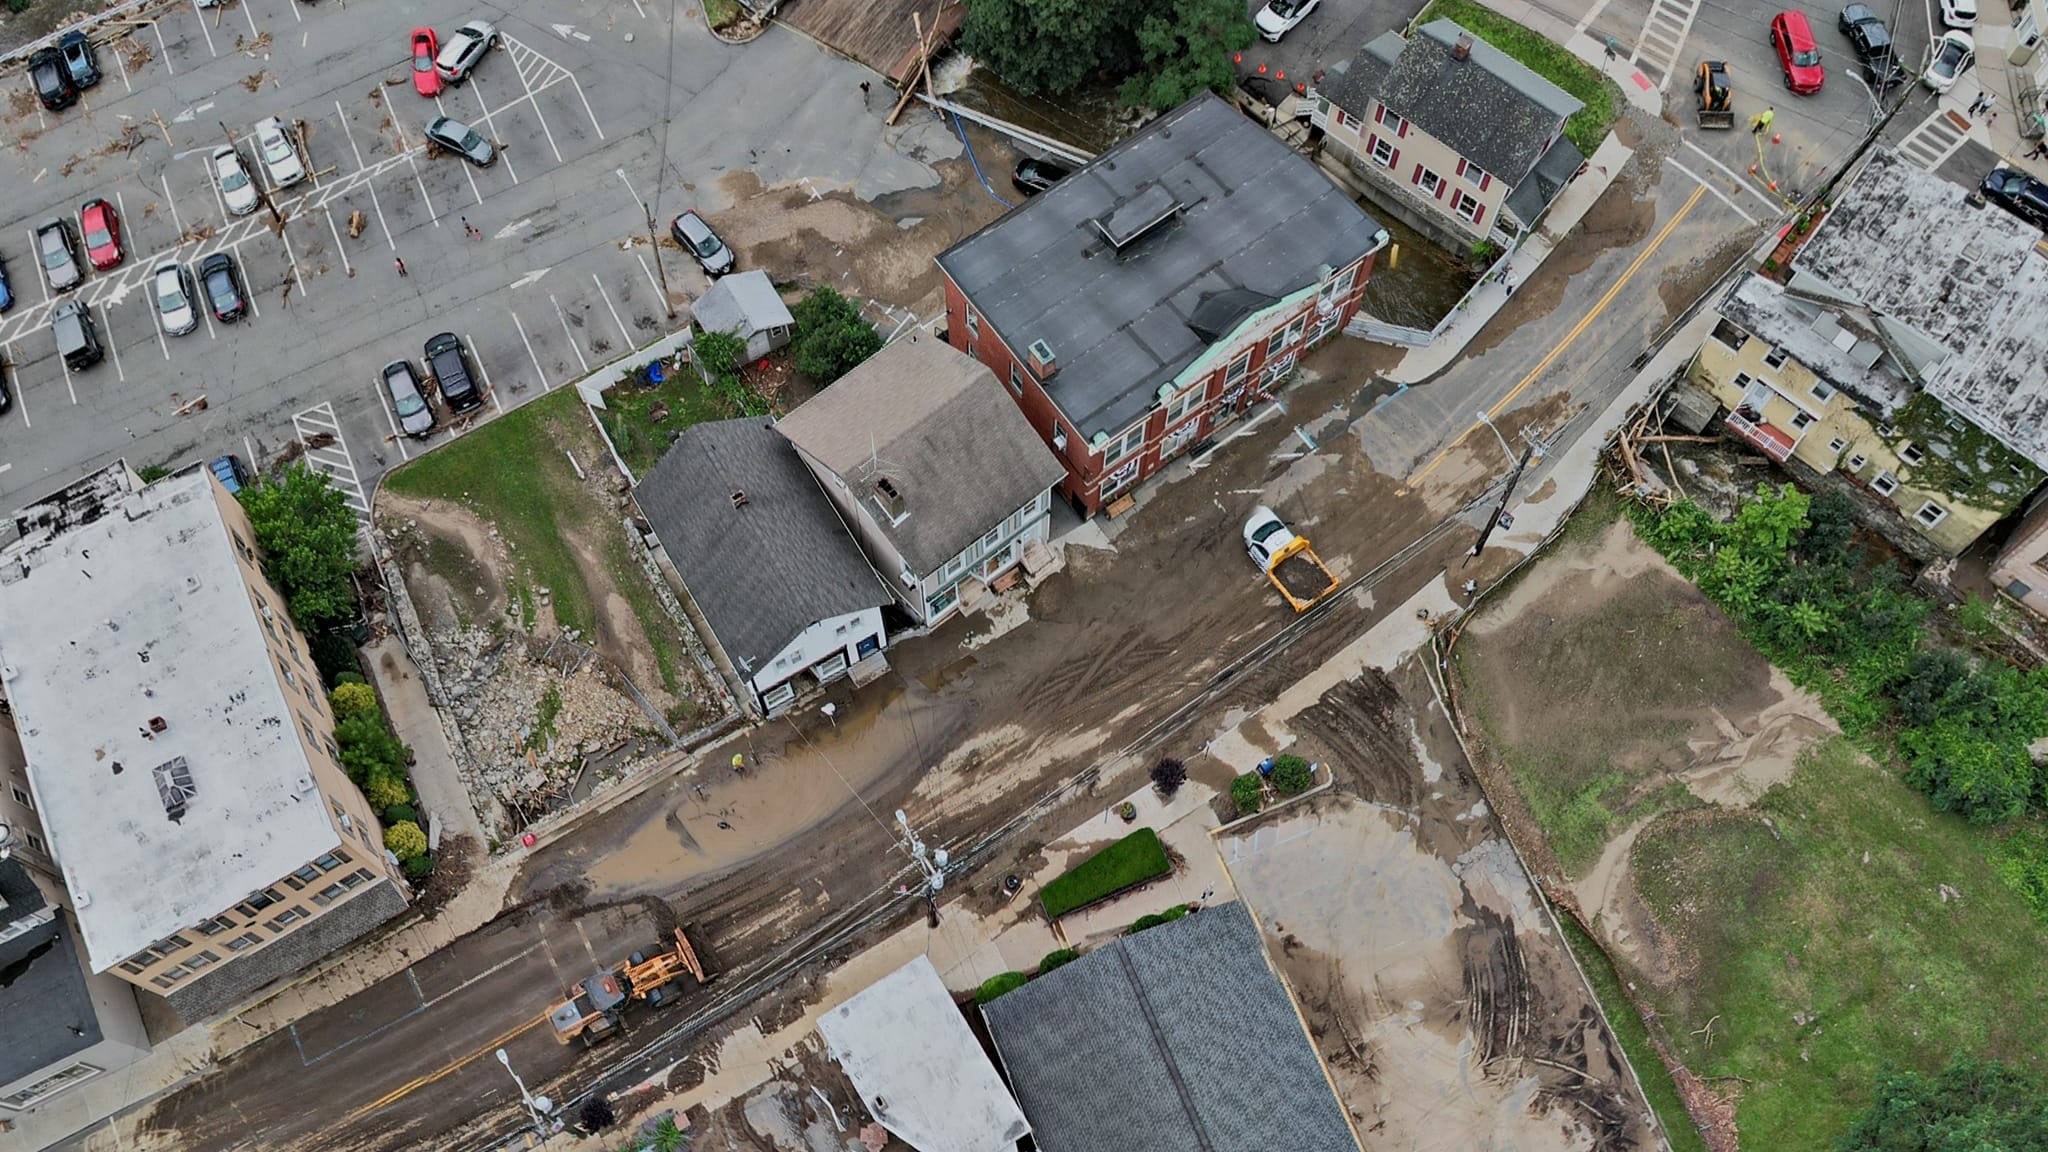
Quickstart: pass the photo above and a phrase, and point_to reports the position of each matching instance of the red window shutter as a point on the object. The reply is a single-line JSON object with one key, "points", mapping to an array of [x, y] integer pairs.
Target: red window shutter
{"points": [[1372, 143], [1479, 214], [1379, 114], [1403, 133], [1461, 165], [1440, 186], [1485, 181], [1394, 161], [1417, 177]]}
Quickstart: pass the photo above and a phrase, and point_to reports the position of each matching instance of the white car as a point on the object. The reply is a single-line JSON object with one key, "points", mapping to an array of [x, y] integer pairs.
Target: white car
{"points": [[279, 152], [1265, 534], [1279, 17], [172, 287], [1953, 55], [235, 186], [461, 52], [1959, 13]]}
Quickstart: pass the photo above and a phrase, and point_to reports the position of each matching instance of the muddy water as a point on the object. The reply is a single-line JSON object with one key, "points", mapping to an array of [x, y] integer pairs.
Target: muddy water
{"points": [[1424, 284]]}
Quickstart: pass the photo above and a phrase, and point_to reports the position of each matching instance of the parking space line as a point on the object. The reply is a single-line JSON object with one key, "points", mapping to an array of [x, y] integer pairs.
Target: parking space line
{"points": [[121, 66], [398, 126], [213, 182], [251, 17], [567, 331], [66, 366], [537, 369], [350, 133], [121, 202], [485, 104], [165, 179], [347, 268], [163, 51], [485, 371], [578, 84], [623, 333], [333, 458], [651, 281], [1773, 205], [200, 15], [158, 324], [295, 14], [545, 130], [113, 345], [20, 400], [292, 258]]}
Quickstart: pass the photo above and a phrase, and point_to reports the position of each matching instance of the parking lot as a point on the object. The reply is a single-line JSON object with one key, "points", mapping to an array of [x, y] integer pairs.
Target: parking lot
{"points": [[558, 277]]}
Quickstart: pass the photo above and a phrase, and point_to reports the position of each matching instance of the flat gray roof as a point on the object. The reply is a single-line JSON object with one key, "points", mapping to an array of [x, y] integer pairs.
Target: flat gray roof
{"points": [[142, 613], [918, 1067], [1254, 214], [46, 1008]]}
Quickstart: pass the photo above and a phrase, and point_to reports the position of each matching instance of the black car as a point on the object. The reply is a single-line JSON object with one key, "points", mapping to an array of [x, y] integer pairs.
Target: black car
{"points": [[2019, 194], [448, 363], [1032, 176], [1873, 43], [52, 78], [80, 59], [223, 286]]}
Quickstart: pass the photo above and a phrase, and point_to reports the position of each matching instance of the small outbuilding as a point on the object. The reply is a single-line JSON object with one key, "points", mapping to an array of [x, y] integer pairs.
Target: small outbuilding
{"points": [[747, 305]]}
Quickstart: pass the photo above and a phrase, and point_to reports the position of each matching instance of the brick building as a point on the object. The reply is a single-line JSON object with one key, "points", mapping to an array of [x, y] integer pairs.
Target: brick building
{"points": [[1159, 292]]}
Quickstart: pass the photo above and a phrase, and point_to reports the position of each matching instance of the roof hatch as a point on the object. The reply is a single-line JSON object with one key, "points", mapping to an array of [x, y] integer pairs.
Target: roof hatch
{"points": [[1128, 222]]}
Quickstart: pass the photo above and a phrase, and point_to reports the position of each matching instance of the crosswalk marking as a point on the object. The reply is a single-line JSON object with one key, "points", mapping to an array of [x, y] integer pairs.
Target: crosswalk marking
{"points": [[1934, 140], [1663, 38]]}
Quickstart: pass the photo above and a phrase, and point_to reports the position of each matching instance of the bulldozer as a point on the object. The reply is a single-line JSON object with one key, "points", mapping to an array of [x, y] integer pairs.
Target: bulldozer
{"points": [[1716, 95], [595, 1007]]}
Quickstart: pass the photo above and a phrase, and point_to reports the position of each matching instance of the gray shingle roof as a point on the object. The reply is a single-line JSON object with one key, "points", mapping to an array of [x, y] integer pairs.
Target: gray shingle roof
{"points": [[743, 302], [1177, 1039], [947, 436], [45, 995], [1254, 215], [766, 570], [1490, 109]]}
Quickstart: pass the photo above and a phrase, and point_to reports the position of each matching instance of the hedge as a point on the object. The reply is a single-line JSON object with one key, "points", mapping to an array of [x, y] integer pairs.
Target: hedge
{"points": [[1058, 959], [1125, 864], [1155, 919], [998, 984]]}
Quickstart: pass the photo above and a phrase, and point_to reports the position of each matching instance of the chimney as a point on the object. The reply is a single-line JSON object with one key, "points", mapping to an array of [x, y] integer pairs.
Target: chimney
{"points": [[1044, 365], [889, 497], [739, 498], [1462, 50]]}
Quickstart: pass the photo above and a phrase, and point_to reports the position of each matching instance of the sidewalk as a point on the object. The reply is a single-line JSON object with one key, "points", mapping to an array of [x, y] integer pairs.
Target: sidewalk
{"points": [[434, 772], [1994, 74]]}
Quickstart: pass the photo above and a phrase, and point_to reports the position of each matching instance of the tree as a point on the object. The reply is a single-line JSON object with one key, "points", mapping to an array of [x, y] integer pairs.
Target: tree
{"points": [[1248, 793], [308, 537], [1972, 1106], [1291, 775], [1168, 775], [719, 355], [349, 699], [596, 1115], [1186, 46], [405, 840], [1048, 46], [831, 338], [368, 748]]}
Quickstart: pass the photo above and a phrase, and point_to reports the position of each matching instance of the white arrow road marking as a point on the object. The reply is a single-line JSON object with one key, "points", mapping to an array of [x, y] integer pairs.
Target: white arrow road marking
{"points": [[513, 229], [187, 116], [530, 278]]}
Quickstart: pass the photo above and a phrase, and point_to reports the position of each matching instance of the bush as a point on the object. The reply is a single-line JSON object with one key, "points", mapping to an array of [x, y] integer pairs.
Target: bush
{"points": [[1248, 793], [386, 789], [341, 678], [1972, 1104], [398, 812], [1058, 958], [349, 699], [418, 867], [405, 840], [596, 1115], [334, 653], [1291, 776], [999, 984], [831, 338], [1168, 775], [1155, 919], [1125, 864], [367, 748]]}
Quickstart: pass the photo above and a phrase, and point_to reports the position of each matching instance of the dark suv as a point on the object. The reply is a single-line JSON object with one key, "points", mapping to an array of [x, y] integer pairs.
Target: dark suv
{"points": [[448, 363], [1873, 43], [2019, 194], [52, 78]]}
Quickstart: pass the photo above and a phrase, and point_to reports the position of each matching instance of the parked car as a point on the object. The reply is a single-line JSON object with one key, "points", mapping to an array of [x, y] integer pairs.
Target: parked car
{"points": [[1873, 44], [2019, 194], [425, 80], [1959, 13], [461, 52], [52, 79], [102, 228], [171, 284], [700, 241], [1032, 175], [223, 283], [78, 342], [279, 152], [1798, 52], [448, 364], [79, 59], [6, 397], [1279, 17], [6, 289], [408, 403], [229, 471], [462, 140], [235, 186], [59, 254], [1951, 56]]}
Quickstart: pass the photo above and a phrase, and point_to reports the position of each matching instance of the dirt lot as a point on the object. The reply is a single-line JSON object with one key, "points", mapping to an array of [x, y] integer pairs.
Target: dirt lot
{"points": [[563, 664]]}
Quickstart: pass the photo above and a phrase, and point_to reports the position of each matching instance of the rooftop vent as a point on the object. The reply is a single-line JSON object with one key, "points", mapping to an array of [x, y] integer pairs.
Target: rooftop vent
{"points": [[1043, 363], [1462, 50], [174, 786], [889, 497], [1134, 218], [158, 724], [739, 498]]}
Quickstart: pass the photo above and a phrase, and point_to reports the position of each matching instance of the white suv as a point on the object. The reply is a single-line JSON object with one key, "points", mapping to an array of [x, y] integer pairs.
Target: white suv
{"points": [[280, 153]]}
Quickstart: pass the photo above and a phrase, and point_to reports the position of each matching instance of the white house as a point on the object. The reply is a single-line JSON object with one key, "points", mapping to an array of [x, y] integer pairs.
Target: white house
{"points": [[746, 304]]}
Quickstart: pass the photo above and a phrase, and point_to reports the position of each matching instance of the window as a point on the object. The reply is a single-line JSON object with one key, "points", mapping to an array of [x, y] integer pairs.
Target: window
{"points": [[312, 737], [50, 1085], [298, 880], [988, 542], [1389, 121], [170, 944], [1801, 419], [973, 323], [1237, 371], [1776, 357], [1931, 514], [258, 901], [289, 679], [1885, 483], [1729, 335], [1345, 280], [244, 941], [241, 545], [1912, 454], [1384, 153], [21, 797], [1016, 379], [333, 753], [1183, 405], [329, 894], [356, 879], [202, 960], [36, 842], [1132, 440], [215, 926], [1430, 183], [1857, 462], [164, 981], [1822, 391], [332, 860], [307, 687], [971, 355], [1468, 207], [283, 918], [1837, 444], [139, 965]]}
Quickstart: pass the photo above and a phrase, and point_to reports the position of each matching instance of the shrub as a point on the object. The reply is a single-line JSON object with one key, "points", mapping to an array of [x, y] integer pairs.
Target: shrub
{"points": [[596, 1115], [1291, 776], [999, 984], [341, 678], [334, 653], [831, 338], [386, 789], [367, 747], [1248, 793], [1155, 919], [405, 840], [148, 473], [349, 699], [399, 812], [1058, 958], [1127, 863], [418, 867], [1168, 775]]}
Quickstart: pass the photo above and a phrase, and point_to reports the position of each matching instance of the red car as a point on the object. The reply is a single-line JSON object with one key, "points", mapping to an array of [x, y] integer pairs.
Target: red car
{"points": [[1798, 54], [425, 80], [102, 233]]}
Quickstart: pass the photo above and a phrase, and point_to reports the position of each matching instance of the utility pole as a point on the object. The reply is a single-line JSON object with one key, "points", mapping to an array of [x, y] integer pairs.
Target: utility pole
{"points": [[929, 861], [660, 270], [1533, 452], [262, 193]]}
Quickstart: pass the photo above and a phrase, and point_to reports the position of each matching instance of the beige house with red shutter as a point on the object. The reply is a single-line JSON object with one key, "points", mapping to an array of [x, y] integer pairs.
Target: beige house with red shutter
{"points": [[1463, 143]]}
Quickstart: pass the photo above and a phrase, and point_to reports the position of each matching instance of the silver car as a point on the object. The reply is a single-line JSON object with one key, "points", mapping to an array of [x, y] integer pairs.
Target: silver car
{"points": [[59, 254], [462, 140], [402, 386], [280, 152], [171, 284], [461, 52]]}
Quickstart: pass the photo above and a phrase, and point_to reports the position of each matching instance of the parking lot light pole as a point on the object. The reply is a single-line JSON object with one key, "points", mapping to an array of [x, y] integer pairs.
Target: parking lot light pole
{"points": [[1486, 420], [262, 193], [660, 270]]}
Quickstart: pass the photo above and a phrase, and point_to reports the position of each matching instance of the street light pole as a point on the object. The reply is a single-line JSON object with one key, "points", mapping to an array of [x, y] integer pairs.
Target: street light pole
{"points": [[660, 269], [525, 1097], [1484, 419]]}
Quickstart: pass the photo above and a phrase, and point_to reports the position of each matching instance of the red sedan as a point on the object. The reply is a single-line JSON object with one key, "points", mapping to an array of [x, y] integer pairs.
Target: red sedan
{"points": [[102, 233], [1798, 54], [425, 80]]}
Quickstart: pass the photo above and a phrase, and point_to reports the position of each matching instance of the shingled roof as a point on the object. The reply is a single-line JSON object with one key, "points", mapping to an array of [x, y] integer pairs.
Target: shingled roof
{"points": [[1489, 108]]}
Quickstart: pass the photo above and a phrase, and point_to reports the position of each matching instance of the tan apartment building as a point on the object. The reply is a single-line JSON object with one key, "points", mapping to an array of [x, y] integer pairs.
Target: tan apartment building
{"points": [[1900, 348], [1460, 140], [2021, 568], [179, 748]]}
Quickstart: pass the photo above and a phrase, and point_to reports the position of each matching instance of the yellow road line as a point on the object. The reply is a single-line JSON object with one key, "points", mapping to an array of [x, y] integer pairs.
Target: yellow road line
{"points": [[408, 1088], [1558, 350]]}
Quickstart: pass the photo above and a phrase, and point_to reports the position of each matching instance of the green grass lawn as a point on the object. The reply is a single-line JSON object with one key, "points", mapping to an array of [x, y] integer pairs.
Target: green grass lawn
{"points": [[628, 416], [1835, 911], [1548, 59], [1132, 860], [1635, 1040]]}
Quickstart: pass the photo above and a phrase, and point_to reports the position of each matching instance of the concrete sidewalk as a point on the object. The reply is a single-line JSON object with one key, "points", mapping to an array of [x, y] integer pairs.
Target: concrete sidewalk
{"points": [[435, 774]]}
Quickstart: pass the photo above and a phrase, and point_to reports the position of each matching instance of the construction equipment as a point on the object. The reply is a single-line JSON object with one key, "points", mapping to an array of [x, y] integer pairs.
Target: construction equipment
{"points": [[1716, 95], [595, 1007], [1287, 560]]}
